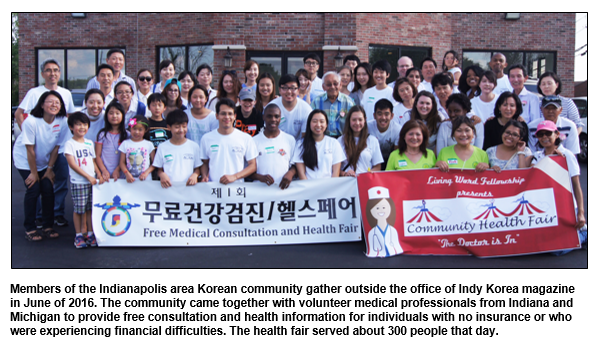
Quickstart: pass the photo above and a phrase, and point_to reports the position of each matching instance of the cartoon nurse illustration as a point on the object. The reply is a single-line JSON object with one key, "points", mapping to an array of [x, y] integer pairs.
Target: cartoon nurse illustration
{"points": [[382, 240]]}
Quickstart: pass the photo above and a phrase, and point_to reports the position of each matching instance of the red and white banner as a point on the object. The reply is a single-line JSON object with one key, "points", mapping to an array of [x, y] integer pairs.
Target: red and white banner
{"points": [[462, 212]]}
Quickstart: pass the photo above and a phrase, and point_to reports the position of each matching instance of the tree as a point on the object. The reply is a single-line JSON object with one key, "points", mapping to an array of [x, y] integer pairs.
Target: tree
{"points": [[14, 63]]}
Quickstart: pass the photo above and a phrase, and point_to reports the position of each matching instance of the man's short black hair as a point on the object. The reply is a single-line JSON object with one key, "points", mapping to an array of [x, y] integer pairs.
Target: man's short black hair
{"points": [[383, 65], [114, 50], [442, 79], [351, 57], [516, 66], [288, 78], [103, 66], [176, 117], [383, 104], [203, 66], [154, 97], [312, 56], [428, 58], [77, 117], [225, 101]]}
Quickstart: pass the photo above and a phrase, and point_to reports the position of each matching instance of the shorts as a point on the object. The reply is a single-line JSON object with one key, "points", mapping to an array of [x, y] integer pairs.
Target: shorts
{"points": [[82, 197]]}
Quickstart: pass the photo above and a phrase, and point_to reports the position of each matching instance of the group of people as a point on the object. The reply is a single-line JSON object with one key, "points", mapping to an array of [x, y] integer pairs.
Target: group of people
{"points": [[346, 123]]}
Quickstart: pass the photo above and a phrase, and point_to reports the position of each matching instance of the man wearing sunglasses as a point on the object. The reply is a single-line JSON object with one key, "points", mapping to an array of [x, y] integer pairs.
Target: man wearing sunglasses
{"points": [[552, 108]]}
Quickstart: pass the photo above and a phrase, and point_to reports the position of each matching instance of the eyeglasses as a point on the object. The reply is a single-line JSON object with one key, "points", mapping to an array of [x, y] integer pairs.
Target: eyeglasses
{"points": [[124, 92], [510, 134], [311, 63], [284, 89], [544, 133], [51, 70], [172, 91], [144, 78]]}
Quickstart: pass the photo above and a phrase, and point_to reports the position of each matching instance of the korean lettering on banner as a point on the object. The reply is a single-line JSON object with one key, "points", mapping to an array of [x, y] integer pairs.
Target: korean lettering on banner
{"points": [[216, 214], [463, 212]]}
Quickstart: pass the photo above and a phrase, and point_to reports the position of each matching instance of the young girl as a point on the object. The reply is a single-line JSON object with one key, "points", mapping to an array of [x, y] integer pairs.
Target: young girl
{"points": [[362, 80], [304, 86], [187, 80], [450, 64], [251, 71], [316, 155], [201, 119], [361, 149], [228, 87], [94, 109], [346, 78], [167, 71], [108, 140], [470, 80], [172, 93], [415, 76], [35, 153], [426, 110], [483, 105], [137, 153], [266, 91]]}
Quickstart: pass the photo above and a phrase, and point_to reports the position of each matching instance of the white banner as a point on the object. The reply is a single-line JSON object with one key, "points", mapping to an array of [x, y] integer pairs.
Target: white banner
{"points": [[142, 213]]}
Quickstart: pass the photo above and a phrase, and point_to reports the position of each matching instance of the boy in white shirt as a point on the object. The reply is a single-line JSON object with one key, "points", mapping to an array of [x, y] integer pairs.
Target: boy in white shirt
{"points": [[81, 157], [178, 159], [380, 71], [386, 132], [225, 150]]}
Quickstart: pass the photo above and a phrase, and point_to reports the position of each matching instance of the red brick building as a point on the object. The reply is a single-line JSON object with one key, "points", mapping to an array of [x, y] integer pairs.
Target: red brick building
{"points": [[278, 41]]}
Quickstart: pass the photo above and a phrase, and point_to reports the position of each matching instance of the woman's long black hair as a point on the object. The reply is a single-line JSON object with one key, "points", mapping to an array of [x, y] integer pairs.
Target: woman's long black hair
{"points": [[108, 127], [309, 154]]}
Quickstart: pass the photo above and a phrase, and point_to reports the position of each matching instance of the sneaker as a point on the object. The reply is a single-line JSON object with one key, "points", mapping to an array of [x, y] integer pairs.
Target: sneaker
{"points": [[39, 223], [90, 241], [80, 242], [61, 221]]}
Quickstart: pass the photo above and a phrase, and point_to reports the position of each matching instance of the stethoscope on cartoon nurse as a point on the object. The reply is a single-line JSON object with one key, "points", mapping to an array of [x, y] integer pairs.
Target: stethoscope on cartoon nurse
{"points": [[382, 240]]}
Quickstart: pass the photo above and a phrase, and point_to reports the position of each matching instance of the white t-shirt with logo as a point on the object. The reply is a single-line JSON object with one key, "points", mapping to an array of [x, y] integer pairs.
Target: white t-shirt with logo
{"points": [[137, 155], [371, 96], [45, 137], [227, 154], [329, 153], [369, 157], [274, 154], [196, 129], [294, 122], [178, 161], [84, 154]]}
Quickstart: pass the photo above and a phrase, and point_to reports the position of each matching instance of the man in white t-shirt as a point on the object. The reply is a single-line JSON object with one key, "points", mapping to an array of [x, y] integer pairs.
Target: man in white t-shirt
{"points": [[403, 65], [531, 109], [386, 132], [51, 75], [294, 111], [552, 108], [380, 71], [116, 59], [226, 150], [429, 69], [275, 151], [498, 64], [312, 64]]}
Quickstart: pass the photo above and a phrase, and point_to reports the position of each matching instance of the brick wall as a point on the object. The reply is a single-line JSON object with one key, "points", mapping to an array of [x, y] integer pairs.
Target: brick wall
{"points": [[141, 33]]}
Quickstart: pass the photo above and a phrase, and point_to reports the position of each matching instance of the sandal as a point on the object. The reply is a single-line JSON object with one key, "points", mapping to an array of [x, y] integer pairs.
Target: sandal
{"points": [[50, 233], [35, 236]]}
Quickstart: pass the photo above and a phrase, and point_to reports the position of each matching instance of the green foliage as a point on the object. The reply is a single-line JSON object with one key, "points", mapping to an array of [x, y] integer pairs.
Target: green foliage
{"points": [[14, 61]]}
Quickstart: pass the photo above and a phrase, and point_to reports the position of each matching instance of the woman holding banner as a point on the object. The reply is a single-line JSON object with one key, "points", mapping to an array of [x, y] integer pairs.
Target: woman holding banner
{"points": [[463, 155], [512, 153], [412, 152], [362, 150]]}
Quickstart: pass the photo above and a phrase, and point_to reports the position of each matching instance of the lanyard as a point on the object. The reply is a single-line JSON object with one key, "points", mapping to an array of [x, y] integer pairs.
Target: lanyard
{"points": [[384, 242]]}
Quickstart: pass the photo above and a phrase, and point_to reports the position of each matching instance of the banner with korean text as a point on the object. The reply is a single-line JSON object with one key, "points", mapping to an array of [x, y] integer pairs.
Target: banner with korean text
{"points": [[466, 213], [142, 213]]}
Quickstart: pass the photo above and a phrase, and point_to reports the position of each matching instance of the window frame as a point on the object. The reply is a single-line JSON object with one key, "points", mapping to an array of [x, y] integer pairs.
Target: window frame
{"points": [[524, 53], [285, 55], [399, 54], [186, 62]]}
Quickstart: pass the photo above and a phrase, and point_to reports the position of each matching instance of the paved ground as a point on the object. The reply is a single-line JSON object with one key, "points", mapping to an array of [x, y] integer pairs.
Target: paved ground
{"points": [[60, 253]]}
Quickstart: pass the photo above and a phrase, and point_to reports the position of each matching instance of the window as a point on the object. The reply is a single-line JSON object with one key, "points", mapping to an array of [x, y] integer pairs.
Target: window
{"points": [[186, 57], [392, 53], [80, 65], [279, 63], [536, 63]]}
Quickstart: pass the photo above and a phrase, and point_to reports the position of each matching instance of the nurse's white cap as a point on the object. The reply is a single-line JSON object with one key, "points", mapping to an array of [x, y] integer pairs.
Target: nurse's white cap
{"points": [[378, 193]]}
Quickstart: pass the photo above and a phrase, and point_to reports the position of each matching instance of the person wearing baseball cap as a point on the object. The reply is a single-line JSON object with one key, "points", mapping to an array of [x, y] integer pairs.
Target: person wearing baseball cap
{"points": [[248, 120], [549, 140], [551, 106]]}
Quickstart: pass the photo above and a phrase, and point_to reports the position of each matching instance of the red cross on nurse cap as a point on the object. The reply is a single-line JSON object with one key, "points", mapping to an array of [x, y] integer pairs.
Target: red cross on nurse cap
{"points": [[378, 193]]}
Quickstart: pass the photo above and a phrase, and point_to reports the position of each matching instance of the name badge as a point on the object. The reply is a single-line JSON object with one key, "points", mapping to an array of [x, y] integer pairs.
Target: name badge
{"points": [[452, 161], [251, 127], [214, 148], [168, 158], [402, 163], [160, 134]]}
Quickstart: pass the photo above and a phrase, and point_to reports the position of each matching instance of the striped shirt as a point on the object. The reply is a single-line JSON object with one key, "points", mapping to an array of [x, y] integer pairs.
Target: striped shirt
{"points": [[336, 111]]}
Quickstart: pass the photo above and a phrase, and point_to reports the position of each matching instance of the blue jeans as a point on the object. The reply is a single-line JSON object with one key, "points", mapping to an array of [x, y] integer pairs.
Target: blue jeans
{"points": [[61, 187], [44, 188]]}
